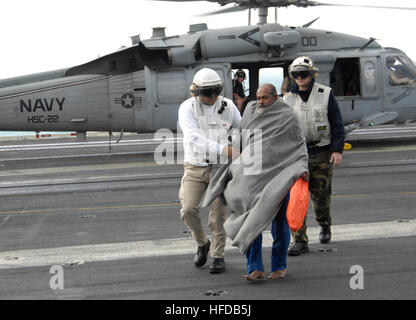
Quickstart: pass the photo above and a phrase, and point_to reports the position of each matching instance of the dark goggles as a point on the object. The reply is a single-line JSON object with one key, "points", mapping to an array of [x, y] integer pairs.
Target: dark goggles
{"points": [[303, 74], [208, 92]]}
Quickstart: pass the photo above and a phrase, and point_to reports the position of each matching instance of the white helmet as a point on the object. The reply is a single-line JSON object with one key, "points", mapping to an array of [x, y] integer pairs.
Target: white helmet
{"points": [[303, 64], [206, 81]]}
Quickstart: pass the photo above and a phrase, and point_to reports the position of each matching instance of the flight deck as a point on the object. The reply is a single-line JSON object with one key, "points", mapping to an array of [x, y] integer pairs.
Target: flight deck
{"points": [[108, 216]]}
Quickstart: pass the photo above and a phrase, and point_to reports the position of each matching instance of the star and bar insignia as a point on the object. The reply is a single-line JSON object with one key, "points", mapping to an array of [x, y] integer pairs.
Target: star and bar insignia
{"points": [[128, 100]]}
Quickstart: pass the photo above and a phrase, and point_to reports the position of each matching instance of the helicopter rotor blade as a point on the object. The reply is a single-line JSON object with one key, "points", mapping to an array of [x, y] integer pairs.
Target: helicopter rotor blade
{"points": [[179, 0], [240, 7], [360, 6], [247, 4], [224, 10]]}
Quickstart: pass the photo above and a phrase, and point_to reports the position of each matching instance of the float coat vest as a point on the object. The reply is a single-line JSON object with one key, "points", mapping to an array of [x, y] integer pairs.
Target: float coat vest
{"points": [[214, 127], [313, 114]]}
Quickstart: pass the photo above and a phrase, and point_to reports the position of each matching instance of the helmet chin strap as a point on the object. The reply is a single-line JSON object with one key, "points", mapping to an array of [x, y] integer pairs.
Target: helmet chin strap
{"points": [[208, 105]]}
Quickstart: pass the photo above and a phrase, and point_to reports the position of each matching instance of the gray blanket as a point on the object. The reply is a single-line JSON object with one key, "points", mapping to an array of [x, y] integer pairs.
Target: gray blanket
{"points": [[254, 190]]}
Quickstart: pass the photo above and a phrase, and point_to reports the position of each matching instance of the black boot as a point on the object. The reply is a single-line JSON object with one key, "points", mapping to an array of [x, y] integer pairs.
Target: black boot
{"points": [[201, 256], [325, 234], [298, 248], [217, 266]]}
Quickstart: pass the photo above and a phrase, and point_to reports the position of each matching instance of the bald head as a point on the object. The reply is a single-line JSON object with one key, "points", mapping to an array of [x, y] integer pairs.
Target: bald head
{"points": [[266, 95]]}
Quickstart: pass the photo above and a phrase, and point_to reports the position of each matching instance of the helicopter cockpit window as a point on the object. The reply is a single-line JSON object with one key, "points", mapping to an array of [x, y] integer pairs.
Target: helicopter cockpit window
{"points": [[273, 75], [402, 72], [345, 77]]}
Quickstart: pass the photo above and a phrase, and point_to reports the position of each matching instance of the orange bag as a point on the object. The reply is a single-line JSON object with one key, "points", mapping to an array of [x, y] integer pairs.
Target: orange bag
{"points": [[298, 204]]}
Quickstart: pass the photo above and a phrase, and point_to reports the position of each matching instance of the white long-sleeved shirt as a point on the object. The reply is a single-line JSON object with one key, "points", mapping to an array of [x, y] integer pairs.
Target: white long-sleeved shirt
{"points": [[192, 132]]}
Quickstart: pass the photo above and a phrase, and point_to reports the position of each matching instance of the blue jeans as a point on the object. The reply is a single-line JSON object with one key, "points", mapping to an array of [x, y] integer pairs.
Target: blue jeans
{"points": [[281, 239]]}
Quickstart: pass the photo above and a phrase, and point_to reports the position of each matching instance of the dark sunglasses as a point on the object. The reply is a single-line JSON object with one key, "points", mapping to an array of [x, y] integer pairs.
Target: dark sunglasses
{"points": [[303, 74], [208, 92]]}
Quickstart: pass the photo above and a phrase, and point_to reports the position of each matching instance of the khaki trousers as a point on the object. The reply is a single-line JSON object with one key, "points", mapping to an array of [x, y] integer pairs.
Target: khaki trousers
{"points": [[193, 186]]}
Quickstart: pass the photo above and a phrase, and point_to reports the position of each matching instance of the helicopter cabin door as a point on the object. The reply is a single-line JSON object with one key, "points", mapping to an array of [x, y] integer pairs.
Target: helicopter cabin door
{"points": [[399, 77], [170, 87], [355, 84]]}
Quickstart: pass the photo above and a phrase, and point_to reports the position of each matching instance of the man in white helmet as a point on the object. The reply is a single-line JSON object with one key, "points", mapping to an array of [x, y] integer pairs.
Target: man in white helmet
{"points": [[206, 120], [322, 124]]}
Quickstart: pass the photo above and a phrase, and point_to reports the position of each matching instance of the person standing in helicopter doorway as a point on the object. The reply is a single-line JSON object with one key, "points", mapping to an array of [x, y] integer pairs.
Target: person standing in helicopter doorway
{"points": [[320, 117], [239, 96], [206, 120]]}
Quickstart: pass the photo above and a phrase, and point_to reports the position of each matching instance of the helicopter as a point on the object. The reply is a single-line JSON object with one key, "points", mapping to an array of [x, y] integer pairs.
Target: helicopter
{"points": [[140, 88]]}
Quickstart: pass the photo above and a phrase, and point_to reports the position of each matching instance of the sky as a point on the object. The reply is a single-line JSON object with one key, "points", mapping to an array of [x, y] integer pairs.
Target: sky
{"points": [[44, 35]]}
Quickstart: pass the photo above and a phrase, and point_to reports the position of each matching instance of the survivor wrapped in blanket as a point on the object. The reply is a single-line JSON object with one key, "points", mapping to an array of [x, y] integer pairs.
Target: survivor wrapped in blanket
{"points": [[254, 185]]}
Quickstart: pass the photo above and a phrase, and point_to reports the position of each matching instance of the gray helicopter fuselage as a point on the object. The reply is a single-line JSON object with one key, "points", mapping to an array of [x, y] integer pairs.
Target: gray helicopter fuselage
{"points": [[140, 88]]}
